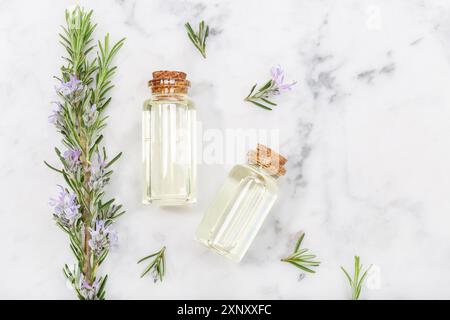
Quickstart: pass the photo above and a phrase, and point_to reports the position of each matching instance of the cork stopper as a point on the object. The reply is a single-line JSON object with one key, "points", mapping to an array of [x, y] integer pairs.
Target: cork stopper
{"points": [[268, 159], [165, 74], [165, 81]]}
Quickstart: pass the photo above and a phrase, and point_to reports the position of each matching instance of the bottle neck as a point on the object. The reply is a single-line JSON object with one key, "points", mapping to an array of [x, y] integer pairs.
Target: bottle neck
{"points": [[169, 96], [268, 160], [262, 170]]}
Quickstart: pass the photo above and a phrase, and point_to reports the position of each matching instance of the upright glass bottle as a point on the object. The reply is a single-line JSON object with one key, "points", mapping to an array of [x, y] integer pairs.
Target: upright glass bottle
{"points": [[168, 129], [240, 208]]}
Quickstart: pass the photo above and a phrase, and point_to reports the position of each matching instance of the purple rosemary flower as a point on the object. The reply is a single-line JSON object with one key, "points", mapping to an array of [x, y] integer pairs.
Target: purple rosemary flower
{"points": [[98, 165], [113, 237], [66, 207], [102, 237], [89, 291], [56, 117], [72, 158], [276, 85], [278, 79], [90, 115], [71, 88]]}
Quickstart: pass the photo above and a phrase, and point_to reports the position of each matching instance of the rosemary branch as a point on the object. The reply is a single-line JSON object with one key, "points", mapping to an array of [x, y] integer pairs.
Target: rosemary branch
{"points": [[79, 209]]}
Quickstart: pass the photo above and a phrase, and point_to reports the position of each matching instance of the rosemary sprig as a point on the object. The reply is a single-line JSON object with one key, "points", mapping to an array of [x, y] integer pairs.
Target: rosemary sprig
{"points": [[300, 258], [80, 209], [260, 98], [274, 86], [359, 276], [199, 38], [157, 265]]}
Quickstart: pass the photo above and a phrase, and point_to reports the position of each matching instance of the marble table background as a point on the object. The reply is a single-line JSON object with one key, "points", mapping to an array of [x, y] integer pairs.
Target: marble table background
{"points": [[366, 132]]}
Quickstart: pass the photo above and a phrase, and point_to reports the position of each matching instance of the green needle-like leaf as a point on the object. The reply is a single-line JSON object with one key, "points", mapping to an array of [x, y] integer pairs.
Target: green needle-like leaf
{"points": [[259, 104], [52, 167]]}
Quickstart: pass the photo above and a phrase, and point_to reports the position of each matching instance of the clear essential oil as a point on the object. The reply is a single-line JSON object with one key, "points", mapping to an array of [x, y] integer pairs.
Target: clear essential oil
{"points": [[240, 208], [168, 129]]}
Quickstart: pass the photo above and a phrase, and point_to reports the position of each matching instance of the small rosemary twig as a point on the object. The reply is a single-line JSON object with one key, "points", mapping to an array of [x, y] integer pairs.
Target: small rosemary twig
{"points": [[300, 259], [199, 38], [260, 97], [358, 279], [157, 266], [276, 85]]}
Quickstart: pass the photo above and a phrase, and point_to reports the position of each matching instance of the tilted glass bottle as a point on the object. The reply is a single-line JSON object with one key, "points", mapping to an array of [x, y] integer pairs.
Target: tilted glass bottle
{"points": [[168, 130], [242, 204]]}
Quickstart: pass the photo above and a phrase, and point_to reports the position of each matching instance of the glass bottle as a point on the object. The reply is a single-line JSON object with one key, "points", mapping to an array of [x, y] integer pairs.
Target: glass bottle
{"points": [[242, 204], [168, 129]]}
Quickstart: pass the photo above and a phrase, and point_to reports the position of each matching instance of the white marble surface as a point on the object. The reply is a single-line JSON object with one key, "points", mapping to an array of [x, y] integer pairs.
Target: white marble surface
{"points": [[366, 131]]}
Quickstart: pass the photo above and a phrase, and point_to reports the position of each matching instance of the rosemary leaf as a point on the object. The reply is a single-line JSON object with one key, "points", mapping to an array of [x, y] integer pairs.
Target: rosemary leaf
{"points": [[259, 104], [52, 167]]}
